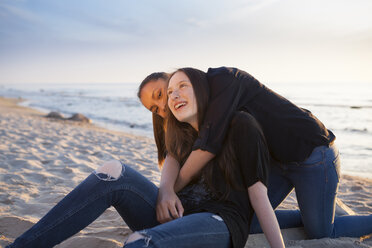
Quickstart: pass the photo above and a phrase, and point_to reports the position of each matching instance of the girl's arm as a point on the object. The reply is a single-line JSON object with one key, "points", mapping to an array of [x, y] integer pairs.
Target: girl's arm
{"points": [[193, 165], [168, 206], [265, 214]]}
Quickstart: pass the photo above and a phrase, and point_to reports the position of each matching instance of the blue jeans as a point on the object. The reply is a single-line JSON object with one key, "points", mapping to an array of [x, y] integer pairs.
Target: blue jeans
{"points": [[134, 197], [316, 183]]}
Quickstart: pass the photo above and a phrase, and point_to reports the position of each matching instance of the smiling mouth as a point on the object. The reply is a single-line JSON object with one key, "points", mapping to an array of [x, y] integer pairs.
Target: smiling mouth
{"points": [[179, 105]]}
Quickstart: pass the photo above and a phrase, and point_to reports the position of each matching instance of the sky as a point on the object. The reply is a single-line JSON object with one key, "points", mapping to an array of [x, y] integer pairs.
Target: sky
{"points": [[97, 41]]}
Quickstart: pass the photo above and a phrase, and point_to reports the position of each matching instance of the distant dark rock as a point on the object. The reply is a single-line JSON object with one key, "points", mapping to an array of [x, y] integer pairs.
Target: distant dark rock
{"points": [[55, 115], [80, 118], [75, 117]]}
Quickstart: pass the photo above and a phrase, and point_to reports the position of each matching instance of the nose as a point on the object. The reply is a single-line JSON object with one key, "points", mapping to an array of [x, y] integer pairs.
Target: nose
{"points": [[174, 95], [163, 105]]}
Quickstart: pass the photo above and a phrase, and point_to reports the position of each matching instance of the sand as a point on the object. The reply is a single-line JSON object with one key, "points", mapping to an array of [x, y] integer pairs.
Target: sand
{"points": [[41, 160]]}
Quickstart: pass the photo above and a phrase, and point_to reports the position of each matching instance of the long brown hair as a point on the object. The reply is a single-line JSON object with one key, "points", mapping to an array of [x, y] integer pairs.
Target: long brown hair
{"points": [[157, 120], [180, 136]]}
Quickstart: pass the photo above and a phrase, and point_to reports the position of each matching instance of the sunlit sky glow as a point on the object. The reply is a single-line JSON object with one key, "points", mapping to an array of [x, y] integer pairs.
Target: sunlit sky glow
{"points": [[50, 41]]}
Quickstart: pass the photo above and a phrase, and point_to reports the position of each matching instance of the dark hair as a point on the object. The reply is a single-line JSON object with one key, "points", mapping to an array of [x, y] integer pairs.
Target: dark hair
{"points": [[159, 136], [157, 120], [152, 77], [180, 136]]}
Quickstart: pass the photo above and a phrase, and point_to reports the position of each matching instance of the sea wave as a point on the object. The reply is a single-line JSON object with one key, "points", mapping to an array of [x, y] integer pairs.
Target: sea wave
{"points": [[357, 130], [329, 105]]}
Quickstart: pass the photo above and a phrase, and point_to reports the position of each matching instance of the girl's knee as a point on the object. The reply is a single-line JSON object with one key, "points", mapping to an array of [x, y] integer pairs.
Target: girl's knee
{"points": [[112, 170], [138, 236]]}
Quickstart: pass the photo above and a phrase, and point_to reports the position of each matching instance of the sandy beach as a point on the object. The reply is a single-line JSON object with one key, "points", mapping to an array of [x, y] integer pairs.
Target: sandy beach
{"points": [[41, 160]]}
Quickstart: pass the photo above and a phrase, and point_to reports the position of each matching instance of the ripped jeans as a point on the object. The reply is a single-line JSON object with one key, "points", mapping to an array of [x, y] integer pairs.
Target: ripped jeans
{"points": [[134, 197]]}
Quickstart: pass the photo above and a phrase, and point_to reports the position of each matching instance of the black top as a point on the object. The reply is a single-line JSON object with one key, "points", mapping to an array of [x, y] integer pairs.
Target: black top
{"points": [[250, 166], [291, 132]]}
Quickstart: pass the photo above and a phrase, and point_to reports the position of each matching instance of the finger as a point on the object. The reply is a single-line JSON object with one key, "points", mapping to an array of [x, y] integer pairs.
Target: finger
{"points": [[159, 216], [160, 213], [166, 218], [173, 211], [179, 208], [164, 215]]}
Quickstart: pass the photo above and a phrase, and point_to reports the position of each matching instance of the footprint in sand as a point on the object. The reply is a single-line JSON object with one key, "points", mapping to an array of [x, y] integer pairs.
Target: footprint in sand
{"points": [[47, 144], [37, 177], [19, 164]]}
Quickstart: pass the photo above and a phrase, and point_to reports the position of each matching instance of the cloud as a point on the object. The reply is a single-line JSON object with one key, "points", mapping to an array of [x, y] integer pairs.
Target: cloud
{"points": [[15, 12]]}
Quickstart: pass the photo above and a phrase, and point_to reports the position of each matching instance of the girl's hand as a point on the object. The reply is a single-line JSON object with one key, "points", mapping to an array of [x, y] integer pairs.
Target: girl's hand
{"points": [[168, 206]]}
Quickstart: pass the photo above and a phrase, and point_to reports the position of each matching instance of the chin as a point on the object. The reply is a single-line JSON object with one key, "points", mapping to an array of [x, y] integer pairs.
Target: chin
{"points": [[180, 118], [184, 117]]}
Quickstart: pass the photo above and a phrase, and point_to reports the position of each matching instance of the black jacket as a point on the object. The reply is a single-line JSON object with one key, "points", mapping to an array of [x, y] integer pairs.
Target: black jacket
{"points": [[291, 132]]}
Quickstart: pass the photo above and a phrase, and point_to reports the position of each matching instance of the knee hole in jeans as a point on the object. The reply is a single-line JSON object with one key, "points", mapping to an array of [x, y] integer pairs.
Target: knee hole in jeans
{"points": [[109, 171], [217, 217], [137, 236]]}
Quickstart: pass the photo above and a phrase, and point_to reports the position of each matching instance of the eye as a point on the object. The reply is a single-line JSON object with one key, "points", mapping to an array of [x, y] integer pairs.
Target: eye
{"points": [[159, 94], [169, 92], [183, 85]]}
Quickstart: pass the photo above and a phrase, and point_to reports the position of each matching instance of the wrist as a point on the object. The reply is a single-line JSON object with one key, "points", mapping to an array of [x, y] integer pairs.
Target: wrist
{"points": [[179, 184], [166, 188]]}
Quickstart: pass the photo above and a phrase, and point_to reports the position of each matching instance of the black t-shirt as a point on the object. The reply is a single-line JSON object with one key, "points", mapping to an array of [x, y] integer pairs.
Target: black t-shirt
{"points": [[249, 166], [291, 132]]}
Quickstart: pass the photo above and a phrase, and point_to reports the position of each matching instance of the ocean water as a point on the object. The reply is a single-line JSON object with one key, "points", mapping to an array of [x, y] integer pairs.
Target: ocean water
{"points": [[346, 109], [113, 106]]}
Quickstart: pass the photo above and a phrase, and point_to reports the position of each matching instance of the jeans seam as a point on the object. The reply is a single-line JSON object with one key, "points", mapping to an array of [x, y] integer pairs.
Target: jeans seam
{"points": [[324, 191], [325, 165], [334, 164]]}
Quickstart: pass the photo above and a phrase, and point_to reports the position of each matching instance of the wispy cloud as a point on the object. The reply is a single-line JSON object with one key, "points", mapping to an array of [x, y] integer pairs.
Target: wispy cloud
{"points": [[8, 11]]}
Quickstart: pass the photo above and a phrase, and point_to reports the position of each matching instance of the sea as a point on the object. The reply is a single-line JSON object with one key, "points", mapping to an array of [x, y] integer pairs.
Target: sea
{"points": [[344, 108]]}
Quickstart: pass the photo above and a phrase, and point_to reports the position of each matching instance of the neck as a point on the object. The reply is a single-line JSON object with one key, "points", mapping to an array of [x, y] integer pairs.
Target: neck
{"points": [[194, 124]]}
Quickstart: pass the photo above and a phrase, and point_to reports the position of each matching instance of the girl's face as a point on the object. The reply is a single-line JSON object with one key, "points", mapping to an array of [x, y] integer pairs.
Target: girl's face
{"points": [[154, 97], [181, 99]]}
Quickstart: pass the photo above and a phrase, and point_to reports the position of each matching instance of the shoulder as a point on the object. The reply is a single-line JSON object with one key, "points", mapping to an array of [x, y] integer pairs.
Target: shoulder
{"points": [[229, 73], [221, 70], [221, 77]]}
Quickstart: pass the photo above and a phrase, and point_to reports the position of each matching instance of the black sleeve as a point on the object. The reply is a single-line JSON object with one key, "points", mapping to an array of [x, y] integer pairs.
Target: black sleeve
{"points": [[250, 148], [229, 89], [223, 101]]}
